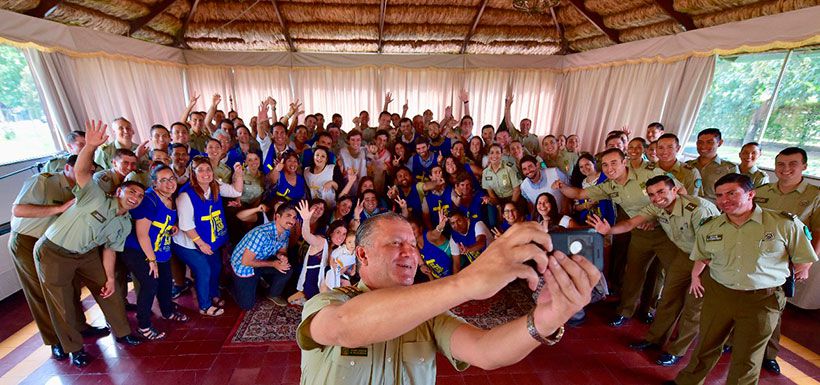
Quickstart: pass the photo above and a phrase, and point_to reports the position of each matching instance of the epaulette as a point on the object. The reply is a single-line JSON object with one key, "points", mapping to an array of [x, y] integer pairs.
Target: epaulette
{"points": [[651, 166], [688, 166], [691, 206], [706, 220], [350, 291], [46, 174], [789, 215]]}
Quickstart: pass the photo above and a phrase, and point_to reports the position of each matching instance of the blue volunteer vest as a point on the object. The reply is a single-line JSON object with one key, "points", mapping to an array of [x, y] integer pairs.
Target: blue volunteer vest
{"points": [[443, 148], [436, 203], [290, 192], [163, 220], [468, 240], [413, 200], [208, 217], [420, 170], [439, 262]]}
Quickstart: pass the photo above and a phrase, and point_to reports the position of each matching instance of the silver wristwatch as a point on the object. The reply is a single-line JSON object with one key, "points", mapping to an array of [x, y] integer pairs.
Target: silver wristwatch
{"points": [[549, 340]]}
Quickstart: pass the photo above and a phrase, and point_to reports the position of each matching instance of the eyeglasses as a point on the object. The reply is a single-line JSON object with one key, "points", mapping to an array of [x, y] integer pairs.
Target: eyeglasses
{"points": [[166, 180]]}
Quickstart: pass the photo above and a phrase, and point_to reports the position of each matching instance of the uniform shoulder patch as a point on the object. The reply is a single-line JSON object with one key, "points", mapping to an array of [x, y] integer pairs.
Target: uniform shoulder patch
{"points": [[760, 199], [789, 215], [706, 220], [651, 166], [688, 166], [46, 174], [691, 206], [349, 291]]}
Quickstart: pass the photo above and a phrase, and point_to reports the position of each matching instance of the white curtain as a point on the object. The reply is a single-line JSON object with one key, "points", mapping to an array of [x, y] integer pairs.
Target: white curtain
{"points": [[205, 81], [422, 89], [594, 102], [346, 91], [535, 96], [254, 84]]}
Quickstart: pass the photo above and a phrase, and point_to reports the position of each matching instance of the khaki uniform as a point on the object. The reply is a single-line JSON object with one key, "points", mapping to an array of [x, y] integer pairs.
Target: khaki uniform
{"points": [[56, 164], [759, 178], [223, 173], [749, 263], [680, 225], [408, 359], [104, 155], [805, 203], [139, 176], [644, 245], [108, 180], [45, 189], [687, 174], [71, 247], [502, 182], [711, 173], [199, 141], [565, 161]]}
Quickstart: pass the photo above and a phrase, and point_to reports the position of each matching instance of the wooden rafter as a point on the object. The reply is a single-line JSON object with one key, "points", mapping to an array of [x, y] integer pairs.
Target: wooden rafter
{"points": [[382, 11], [475, 25], [142, 21], [43, 8], [562, 39], [180, 38], [596, 20], [682, 18], [284, 26]]}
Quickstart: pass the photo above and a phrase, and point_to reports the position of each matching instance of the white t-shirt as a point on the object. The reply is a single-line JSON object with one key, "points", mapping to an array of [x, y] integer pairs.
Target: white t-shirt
{"points": [[531, 191]]}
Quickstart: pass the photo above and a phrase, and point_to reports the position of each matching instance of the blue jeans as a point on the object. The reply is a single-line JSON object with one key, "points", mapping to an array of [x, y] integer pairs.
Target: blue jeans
{"points": [[150, 287], [245, 287], [205, 268]]}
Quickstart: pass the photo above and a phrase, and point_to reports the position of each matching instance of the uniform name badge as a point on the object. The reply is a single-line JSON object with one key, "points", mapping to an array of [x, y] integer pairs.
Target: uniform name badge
{"points": [[714, 237], [353, 352]]}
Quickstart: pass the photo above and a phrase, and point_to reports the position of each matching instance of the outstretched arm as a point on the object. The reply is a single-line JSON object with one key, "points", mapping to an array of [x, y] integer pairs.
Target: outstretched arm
{"points": [[191, 105], [94, 137]]}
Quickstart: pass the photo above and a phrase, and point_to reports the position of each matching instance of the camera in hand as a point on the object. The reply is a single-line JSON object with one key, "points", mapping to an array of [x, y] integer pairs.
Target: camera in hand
{"points": [[585, 242]]}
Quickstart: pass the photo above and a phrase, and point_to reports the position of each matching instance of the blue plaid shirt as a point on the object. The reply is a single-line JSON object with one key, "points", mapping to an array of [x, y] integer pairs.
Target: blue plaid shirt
{"points": [[263, 241]]}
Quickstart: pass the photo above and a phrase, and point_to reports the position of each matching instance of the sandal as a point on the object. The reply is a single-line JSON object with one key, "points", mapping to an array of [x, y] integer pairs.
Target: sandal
{"points": [[212, 311], [177, 316], [218, 302], [151, 334]]}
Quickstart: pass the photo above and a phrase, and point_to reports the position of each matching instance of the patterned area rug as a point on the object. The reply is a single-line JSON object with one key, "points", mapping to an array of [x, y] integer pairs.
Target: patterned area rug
{"points": [[267, 323]]}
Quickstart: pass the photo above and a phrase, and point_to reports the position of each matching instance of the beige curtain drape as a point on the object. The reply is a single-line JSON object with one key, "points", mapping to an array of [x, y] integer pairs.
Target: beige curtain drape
{"points": [[594, 102]]}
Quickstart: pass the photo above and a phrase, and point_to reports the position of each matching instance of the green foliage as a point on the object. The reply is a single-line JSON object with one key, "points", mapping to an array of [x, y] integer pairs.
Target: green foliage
{"points": [[18, 95]]}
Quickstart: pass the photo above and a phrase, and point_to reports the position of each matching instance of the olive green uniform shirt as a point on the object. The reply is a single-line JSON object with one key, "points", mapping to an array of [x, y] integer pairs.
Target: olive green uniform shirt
{"points": [[756, 254], [687, 174], [56, 164], [44, 189], [91, 222], [684, 220], [104, 155], [804, 202], [759, 178], [502, 182], [631, 196], [567, 161], [223, 173], [199, 141], [408, 359], [711, 173], [530, 142], [108, 180], [142, 177]]}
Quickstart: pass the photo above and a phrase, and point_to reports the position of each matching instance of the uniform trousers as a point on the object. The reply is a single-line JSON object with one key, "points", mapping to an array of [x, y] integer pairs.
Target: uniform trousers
{"points": [[57, 269], [677, 306], [643, 247], [753, 314], [22, 251]]}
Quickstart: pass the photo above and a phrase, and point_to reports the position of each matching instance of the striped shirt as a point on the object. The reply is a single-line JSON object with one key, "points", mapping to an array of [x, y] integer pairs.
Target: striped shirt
{"points": [[262, 241]]}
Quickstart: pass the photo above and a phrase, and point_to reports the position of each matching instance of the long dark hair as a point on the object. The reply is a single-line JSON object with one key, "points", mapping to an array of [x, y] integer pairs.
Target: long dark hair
{"points": [[554, 215]]}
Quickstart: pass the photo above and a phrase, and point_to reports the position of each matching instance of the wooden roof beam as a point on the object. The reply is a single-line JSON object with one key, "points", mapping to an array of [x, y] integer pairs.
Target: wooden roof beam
{"points": [[475, 25], [284, 26], [43, 8], [683, 19], [142, 21], [596, 20], [562, 39], [382, 11], [180, 38]]}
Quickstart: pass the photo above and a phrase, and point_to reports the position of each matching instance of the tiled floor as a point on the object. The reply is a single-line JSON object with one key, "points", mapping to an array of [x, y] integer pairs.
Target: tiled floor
{"points": [[197, 353]]}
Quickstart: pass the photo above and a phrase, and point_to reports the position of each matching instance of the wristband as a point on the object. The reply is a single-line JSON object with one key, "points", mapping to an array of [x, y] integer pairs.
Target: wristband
{"points": [[194, 239], [149, 260]]}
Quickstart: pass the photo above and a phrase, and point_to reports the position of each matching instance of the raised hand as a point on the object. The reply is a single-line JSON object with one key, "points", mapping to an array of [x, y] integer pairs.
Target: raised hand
{"points": [[558, 184], [142, 149], [401, 202], [448, 112], [405, 107], [95, 133], [193, 100], [388, 98], [271, 102], [626, 131], [496, 232], [600, 225], [280, 165], [357, 211], [304, 210], [464, 96], [396, 161], [217, 98], [237, 168]]}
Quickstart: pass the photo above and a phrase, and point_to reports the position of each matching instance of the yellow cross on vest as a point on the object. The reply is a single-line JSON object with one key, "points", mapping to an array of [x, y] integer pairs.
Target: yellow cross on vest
{"points": [[164, 232], [284, 194], [214, 220], [440, 207]]}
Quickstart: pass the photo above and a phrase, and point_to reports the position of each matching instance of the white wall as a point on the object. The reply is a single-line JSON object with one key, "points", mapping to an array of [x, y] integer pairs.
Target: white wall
{"points": [[9, 187]]}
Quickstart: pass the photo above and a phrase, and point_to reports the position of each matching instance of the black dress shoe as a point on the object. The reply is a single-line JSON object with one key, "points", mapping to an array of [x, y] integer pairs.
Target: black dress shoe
{"points": [[771, 366], [667, 359], [618, 321], [58, 353], [643, 345], [648, 318], [129, 339], [93, 331], [80, 358]]}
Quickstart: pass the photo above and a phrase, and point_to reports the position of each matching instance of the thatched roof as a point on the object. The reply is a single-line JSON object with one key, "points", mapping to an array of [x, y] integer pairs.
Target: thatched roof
{"points": [[397, 26]]}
